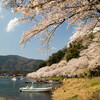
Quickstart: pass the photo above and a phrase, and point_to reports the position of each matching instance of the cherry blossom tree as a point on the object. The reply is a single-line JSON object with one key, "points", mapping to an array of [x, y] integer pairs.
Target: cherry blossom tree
{"points": [[48, 15]]}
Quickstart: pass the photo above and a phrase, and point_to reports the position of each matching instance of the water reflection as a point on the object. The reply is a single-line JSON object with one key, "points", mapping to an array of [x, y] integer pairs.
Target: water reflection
{"points": [[10, 90]]}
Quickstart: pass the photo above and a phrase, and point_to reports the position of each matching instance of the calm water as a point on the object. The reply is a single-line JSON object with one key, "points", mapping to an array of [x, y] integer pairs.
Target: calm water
{"points": [[10, 90]]}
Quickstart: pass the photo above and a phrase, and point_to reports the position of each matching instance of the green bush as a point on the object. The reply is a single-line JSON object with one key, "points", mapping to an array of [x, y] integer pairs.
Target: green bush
{"points": [[42, 64], [95, 71], [56, 57], [75, 54], [74, 51]]}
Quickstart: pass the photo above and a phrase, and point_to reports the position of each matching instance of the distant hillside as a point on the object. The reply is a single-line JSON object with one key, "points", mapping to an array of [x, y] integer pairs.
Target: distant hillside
{"points": [[14, 63]]}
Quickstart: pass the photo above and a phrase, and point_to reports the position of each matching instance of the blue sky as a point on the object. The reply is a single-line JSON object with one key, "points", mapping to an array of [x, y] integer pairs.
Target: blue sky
{"points": [[9, 38]]}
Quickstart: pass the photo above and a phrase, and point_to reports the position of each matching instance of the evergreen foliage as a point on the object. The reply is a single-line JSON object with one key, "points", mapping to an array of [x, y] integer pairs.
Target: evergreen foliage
{"points": [[42, 64], [95, 71], [54, 58], [74, 51]]}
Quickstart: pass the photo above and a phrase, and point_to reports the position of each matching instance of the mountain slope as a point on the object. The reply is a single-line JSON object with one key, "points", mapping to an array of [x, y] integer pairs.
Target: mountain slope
{"points": [[12, 63]]}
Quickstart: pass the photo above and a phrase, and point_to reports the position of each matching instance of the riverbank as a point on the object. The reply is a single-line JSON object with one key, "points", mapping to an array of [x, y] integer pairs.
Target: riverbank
{"points": [[78, 89]]}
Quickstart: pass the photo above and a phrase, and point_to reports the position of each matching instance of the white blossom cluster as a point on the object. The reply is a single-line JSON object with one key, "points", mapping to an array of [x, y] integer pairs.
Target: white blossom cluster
{"points": [[90, 59], [48, 15]]}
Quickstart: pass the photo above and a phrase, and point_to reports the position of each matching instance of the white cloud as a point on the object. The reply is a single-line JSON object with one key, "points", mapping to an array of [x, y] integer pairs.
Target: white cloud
{"points": [[12, 24]]}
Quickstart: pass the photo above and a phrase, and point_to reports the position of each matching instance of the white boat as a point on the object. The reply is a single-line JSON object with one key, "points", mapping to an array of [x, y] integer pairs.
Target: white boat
{"points": [[32, 89], [14, 79], [53, 82], [21, 78]]}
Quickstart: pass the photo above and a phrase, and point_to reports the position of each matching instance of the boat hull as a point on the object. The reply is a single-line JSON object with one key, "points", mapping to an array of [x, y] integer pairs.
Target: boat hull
{"points": [[36, 90], [14, 79]]}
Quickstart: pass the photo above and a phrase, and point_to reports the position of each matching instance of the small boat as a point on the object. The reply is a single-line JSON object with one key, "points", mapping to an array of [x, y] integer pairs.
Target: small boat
{"points": [[14, 79], [21, 78], [53, 82], [32, 89]]}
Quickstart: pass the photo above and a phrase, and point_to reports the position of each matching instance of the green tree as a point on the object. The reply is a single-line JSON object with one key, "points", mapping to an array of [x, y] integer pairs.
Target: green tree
{"points": [[74, 51]]}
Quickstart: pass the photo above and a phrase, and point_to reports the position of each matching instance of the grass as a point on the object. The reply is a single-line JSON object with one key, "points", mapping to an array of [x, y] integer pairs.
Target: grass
{"points": [[57, 78], [78, 89], [96, 95], [73, 97], [95, 83], [1, 98]]}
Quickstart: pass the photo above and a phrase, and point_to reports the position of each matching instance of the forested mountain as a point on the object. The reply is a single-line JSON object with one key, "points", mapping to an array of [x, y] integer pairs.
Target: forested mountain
{"points": [[17, 64]]}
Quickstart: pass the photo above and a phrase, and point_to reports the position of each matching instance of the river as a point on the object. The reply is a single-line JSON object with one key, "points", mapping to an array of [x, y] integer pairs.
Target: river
{"points": [[10, 90]]}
